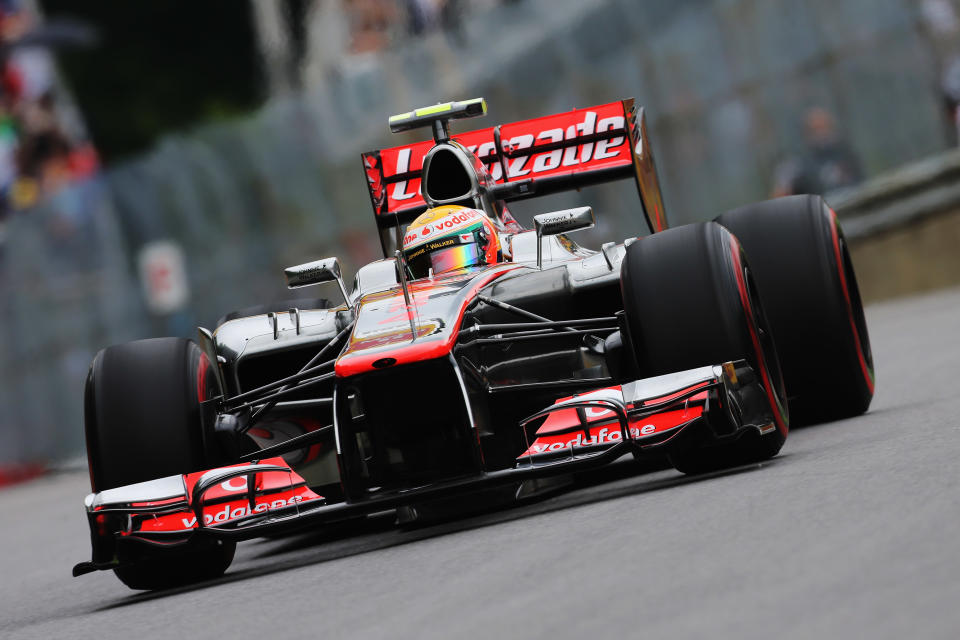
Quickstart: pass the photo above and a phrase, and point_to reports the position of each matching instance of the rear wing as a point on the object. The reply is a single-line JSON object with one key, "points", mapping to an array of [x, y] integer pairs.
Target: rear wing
{"points": [[531, 158]]}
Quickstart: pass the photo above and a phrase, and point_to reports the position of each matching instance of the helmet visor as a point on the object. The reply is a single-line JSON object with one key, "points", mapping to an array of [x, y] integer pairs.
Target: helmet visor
{"points": [[456, 257], [443, 255]]}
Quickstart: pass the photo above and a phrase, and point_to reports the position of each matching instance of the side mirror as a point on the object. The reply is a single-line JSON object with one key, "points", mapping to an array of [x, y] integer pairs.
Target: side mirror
{"points": [[557, 222], [316, 272]]}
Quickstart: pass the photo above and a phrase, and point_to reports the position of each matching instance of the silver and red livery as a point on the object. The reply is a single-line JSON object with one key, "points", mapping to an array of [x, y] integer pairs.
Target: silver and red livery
{"points": [[412, 394]]}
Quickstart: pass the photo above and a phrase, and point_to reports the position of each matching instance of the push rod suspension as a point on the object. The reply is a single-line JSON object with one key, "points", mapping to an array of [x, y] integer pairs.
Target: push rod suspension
{"points": [[260, 411], [310, 369]]}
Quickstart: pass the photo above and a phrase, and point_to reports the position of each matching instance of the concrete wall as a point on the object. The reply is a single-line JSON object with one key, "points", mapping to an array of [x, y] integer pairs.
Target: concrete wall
{"points": [[903, 228], [918, 257]]}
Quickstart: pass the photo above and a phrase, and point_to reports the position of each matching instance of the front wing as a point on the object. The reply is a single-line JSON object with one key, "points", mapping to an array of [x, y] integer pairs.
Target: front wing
{"points": [[695, 408]]}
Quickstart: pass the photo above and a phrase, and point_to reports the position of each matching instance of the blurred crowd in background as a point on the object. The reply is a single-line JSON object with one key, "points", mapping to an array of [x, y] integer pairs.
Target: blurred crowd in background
{"points": [[43, 146], [228, 135], [376, 24]]}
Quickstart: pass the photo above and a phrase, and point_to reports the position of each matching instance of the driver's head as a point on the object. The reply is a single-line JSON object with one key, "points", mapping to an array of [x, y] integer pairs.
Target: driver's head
{"points": [[448, 238]]}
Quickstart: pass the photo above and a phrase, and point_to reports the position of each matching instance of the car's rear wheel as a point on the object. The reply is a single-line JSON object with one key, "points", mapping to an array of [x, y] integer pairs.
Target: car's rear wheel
{"points": [[690, 301], [142, 422], [809, 291]]}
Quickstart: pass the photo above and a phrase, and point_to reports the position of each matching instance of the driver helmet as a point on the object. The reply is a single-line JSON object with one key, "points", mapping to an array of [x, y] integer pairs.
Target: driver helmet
{"points": [[448, 238]]}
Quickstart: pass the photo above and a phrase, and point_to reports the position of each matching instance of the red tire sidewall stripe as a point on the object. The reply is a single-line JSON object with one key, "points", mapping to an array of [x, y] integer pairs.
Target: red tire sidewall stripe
{"points": [[775, 405], [202, 366], [835, 233]]}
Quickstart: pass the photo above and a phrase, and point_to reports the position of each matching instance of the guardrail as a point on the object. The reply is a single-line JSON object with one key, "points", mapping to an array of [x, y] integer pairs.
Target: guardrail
{"points": [[900, 197], [904, 227]]}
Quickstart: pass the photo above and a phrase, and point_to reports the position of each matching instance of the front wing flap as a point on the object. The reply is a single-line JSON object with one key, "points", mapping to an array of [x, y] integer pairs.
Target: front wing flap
{"points": [[168, 511], [652, 412]]}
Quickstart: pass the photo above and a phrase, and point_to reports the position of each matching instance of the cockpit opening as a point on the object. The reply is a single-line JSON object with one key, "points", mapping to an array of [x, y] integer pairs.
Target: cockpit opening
{"points": [[448, 179]]}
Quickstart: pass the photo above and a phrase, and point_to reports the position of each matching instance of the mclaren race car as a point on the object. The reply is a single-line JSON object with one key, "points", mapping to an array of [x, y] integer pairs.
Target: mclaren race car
{"points": [[477, 357]]}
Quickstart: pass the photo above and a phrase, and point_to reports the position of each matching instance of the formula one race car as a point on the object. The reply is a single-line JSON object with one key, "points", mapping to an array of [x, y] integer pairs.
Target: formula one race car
{"points": [[477, 358]]}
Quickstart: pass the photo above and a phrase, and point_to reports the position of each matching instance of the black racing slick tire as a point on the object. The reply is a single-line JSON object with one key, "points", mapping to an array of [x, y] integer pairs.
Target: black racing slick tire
{"points": [[168, 569], [142, 411], [809, 291], [690, 301], [142, 422]]}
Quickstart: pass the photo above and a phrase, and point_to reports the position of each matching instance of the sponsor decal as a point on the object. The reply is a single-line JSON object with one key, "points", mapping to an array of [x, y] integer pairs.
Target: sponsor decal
{"points": [[605, 435], [564, 430], [554, 221], [562, 130], [234, 484], [416, 235], [416, 254], [403, 165], [227, 500], [556, 158], [433, 246], [222, 512], [234, 511]]}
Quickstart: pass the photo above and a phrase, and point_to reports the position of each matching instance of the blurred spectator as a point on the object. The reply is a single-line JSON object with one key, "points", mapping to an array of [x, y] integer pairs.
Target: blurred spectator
{"points": [[424, 16], [370, 24], [826, 164], [37, 157], [342, 35], [950, 90], [939, 19]]}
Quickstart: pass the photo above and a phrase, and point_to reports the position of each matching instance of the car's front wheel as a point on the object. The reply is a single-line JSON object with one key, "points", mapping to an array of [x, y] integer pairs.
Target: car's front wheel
{"points": [[142, 422], [690, 301]]}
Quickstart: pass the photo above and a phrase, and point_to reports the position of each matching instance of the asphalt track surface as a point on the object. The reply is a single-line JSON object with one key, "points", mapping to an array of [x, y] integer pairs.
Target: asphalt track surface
{"points": [[852, 532]]}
